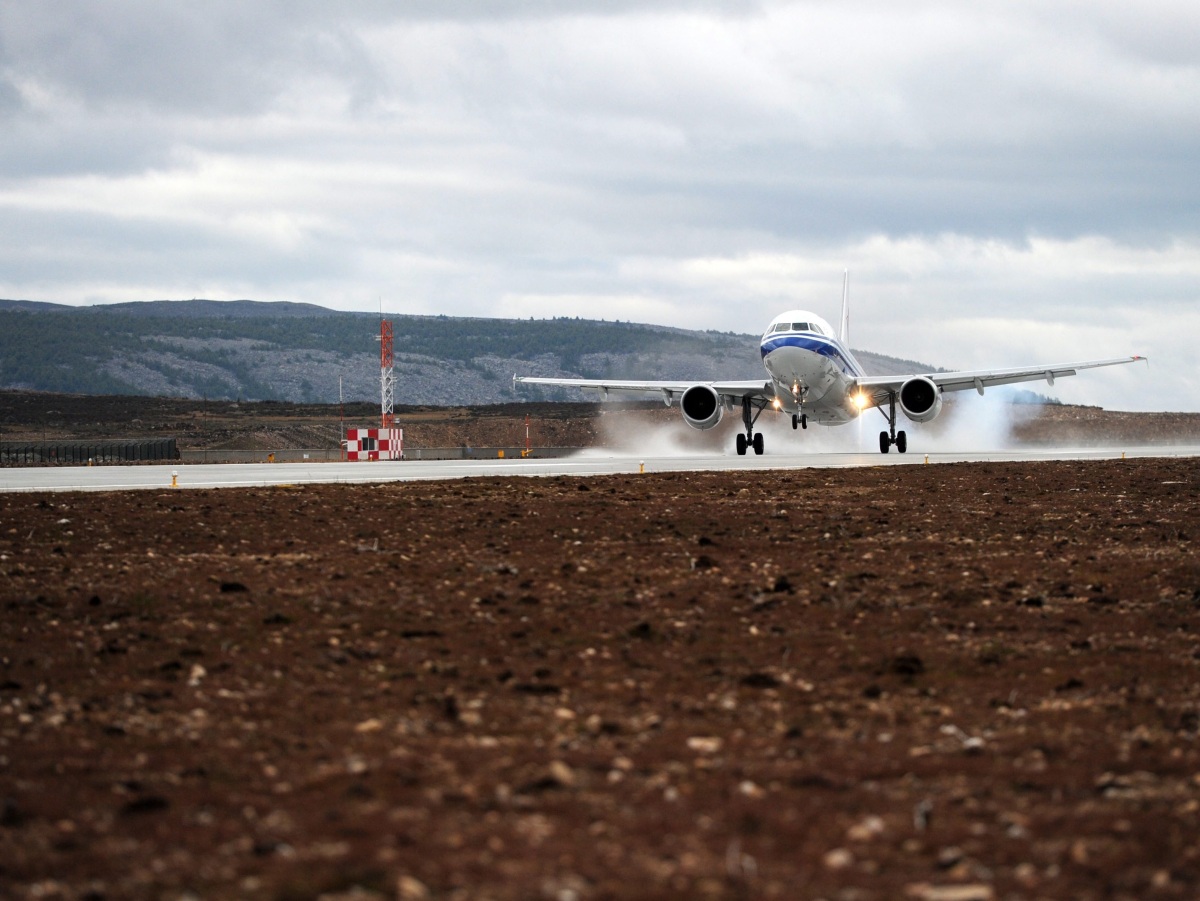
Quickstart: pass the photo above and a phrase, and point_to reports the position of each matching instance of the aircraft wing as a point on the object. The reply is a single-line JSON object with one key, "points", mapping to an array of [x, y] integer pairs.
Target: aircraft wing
{"points": [[878, 387], [668, 390]]}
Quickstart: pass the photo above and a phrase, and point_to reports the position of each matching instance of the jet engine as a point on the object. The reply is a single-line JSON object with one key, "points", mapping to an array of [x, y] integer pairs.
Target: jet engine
{"points": [[920, 399], [701, 407]]}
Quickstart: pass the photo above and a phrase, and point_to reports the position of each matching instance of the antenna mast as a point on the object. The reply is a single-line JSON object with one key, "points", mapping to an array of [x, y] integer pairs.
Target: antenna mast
{"points": [[387, 377]]}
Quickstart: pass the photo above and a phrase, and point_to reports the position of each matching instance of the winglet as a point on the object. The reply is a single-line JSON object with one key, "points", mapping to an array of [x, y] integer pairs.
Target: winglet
{"points": [[844, 331]]}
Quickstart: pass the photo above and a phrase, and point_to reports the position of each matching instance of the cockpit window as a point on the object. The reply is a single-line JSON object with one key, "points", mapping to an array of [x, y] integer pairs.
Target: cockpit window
{"points": [[797, 327]]}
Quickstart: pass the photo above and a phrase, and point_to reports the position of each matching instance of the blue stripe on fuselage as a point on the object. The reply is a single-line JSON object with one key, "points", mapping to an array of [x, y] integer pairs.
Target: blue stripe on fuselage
{"points": [[815, 344]]}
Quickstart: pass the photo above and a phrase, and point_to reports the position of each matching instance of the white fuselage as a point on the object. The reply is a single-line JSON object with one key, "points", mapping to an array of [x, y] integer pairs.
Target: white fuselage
{"points": [[812, 371]]}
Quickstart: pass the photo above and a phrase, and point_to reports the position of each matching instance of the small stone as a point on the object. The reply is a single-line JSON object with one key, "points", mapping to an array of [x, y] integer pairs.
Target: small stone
{"points": [[1026, 874], [923, 891], [562, 773], [837, 859], [865, 830], [410, 889], [704, 744], [750, 789], [371, 725]]}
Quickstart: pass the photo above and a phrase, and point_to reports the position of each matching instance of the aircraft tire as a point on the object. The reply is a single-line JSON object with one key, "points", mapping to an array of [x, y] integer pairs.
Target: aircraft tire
{"points": [[741, 444], [901, 442], [885, 443], [804, 421], [758, 444], [795, 422]]}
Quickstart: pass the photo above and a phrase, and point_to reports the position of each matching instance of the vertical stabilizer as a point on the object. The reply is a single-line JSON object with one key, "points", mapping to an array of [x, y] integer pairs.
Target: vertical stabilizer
{"points": [[844, 330]]}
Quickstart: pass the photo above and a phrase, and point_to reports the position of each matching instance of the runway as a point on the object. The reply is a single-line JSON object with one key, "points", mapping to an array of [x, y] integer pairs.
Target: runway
{"points": [[591, 463]]}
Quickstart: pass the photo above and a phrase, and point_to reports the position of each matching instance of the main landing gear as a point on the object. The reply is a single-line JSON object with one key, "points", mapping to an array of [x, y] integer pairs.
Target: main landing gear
{"points": [[891, 436], [750, 413]]}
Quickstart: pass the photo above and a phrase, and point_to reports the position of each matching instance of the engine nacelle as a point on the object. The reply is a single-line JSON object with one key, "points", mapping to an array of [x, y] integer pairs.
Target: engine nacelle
{"points": [[701, 406], [920, 399]]}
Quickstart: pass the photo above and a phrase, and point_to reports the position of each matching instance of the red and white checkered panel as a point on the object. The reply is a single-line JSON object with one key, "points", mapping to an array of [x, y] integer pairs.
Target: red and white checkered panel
{"points": [[374, 444]]}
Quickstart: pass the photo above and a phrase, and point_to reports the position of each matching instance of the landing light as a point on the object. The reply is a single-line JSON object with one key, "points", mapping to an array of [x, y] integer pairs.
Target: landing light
{"points": [[860, 400], [776, 404]]}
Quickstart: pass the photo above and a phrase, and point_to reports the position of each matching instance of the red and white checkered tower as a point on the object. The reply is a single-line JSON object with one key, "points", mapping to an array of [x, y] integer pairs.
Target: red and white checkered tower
{"points": [[387, 376]]}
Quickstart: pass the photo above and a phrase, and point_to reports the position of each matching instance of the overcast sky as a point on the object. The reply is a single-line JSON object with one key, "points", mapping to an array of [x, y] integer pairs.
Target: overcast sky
{"points": [[1007, 182]]}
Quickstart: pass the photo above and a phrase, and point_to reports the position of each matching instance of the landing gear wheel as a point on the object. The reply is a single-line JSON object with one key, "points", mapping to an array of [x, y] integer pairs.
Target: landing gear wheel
{"points": [[885, 443], [901, 442], [795, 421], [804, 421], [751, 408]]}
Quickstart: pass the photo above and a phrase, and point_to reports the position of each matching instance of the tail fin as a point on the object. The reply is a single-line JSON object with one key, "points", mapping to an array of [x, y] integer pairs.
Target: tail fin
{"points": [[844, 331]]}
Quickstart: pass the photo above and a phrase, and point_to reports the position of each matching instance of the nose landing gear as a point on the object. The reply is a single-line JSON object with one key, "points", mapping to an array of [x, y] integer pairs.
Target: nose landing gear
{"points": [[799, 395]]}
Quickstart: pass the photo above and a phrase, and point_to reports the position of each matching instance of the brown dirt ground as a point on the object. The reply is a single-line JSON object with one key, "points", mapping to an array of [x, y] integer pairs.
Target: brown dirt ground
{"points": [[965, 681]]}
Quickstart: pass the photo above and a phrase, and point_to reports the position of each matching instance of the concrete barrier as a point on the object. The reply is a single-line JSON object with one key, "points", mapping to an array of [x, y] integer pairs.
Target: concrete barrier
{"points": [[287, 455], [486, 453], [328, 455]]}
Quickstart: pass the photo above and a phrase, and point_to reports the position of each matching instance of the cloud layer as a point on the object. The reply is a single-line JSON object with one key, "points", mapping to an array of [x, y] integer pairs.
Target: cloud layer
{"points": [[1008, 183]]}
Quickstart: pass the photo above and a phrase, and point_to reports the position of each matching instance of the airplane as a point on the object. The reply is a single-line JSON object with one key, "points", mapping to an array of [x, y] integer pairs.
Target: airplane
{"points": [[813, 376]]}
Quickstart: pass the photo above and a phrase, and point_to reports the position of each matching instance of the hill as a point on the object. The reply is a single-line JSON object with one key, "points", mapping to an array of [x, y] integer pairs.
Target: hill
{"points": [[249, 350]]}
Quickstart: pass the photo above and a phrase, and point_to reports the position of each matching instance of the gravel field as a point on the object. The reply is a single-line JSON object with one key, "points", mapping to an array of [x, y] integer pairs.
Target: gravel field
{"points": [[951, 683]]}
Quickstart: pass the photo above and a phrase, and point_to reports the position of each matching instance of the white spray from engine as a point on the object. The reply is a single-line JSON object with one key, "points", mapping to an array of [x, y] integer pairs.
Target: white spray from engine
{"points": [[968, 423], [653, 433]]}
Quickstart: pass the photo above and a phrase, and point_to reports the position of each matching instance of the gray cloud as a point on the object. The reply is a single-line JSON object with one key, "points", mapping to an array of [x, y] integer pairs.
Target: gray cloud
{"points": [[699, 163]]}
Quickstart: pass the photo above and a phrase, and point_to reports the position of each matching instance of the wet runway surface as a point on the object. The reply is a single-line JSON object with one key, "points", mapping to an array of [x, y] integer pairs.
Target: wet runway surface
{"points": [[121, 478]]}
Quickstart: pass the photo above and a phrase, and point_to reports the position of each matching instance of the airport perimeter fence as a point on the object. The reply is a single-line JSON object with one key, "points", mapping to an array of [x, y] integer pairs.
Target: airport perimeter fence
{"points": [[83, 453], [334, 455], [163, 450]]}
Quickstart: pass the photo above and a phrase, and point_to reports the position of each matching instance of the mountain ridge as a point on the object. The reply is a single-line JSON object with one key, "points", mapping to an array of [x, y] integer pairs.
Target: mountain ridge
{"points": [[299, 352]]}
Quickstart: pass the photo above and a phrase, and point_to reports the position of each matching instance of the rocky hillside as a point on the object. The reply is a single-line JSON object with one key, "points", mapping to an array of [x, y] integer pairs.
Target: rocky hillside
{"points": [[249, 351]]}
